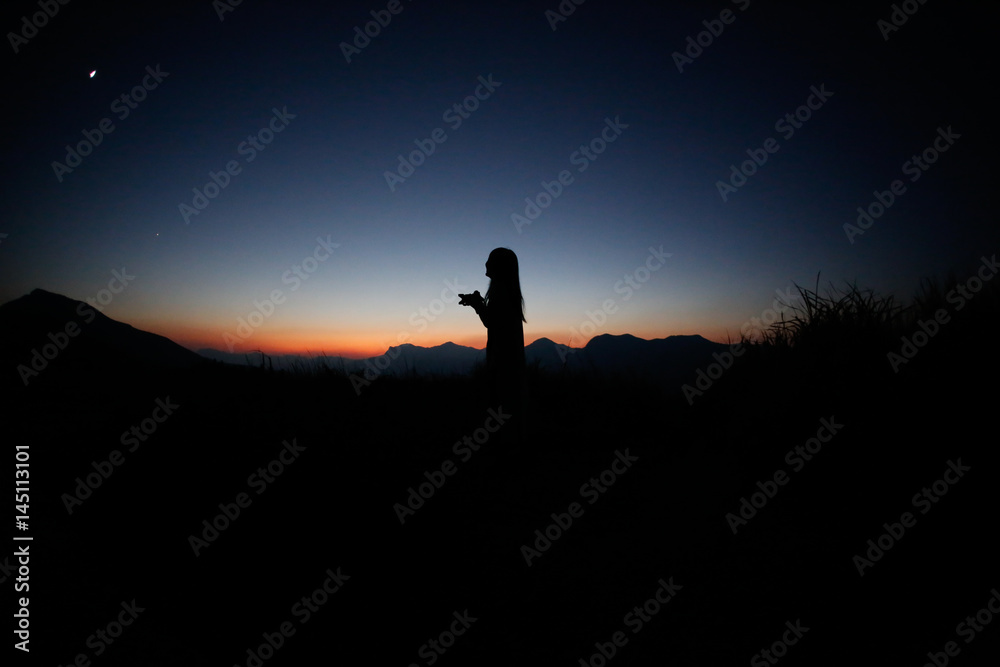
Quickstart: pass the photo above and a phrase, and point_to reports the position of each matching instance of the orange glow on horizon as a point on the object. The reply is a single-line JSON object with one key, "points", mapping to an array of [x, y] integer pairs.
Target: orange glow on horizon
{"points": [[305, 343], [362, 345]]}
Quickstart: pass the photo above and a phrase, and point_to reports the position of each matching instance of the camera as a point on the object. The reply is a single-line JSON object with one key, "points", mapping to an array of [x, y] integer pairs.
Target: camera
{"points": [[473, 299]]}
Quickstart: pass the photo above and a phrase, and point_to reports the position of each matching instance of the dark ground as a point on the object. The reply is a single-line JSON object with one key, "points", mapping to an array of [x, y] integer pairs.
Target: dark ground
{"points": [[664, 518]]}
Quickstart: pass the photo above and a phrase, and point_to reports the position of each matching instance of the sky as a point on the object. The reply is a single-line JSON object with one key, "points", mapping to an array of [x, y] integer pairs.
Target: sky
{"points": [[268, 176]]}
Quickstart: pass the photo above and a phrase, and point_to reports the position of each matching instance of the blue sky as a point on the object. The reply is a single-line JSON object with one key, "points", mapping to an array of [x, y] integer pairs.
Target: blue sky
{"points": [[322, 177]]}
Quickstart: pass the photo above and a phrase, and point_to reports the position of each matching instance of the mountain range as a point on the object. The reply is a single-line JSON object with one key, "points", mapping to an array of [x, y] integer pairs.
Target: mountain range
{"points": [[605, 353], [43, 328]]}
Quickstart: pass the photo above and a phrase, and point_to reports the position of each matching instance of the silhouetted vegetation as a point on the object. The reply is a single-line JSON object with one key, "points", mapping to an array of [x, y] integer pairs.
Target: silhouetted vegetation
{"points": [[665, 517]]}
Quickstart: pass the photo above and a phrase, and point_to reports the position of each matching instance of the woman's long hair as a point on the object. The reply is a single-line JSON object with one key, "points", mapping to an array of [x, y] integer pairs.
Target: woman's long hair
{"points": [[505, 285]]}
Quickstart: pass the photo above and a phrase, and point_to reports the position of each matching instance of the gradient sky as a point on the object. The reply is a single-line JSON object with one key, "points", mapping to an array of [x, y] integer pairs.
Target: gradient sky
{"points": [[399, 250]]}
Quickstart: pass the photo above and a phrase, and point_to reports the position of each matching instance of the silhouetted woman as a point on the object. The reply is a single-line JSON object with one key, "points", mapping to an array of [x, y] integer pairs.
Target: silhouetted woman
{"points": [[502, 311]]}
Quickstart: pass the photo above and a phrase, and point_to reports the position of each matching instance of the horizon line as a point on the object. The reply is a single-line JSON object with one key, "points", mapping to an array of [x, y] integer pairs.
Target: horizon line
{"points": [[310, 354]]}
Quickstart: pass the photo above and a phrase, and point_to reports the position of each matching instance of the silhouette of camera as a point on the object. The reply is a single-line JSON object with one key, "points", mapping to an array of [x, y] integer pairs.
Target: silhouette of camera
{"points": [[473, 299]]}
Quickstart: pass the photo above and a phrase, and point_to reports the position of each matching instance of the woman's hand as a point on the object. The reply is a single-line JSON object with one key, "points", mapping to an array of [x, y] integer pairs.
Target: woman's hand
{"points": [[475, 300]]}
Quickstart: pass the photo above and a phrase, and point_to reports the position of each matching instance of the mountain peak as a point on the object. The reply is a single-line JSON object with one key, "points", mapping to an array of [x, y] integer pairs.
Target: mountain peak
{"points": [[542, 341], [89, 338]]}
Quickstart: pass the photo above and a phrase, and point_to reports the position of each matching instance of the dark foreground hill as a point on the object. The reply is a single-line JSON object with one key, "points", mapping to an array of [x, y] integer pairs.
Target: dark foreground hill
{"points": [[630, 521], [41, 327]]}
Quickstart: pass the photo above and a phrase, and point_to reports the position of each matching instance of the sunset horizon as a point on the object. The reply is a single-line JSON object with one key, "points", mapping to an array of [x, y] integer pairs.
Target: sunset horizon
{"points": [[317, 344]]}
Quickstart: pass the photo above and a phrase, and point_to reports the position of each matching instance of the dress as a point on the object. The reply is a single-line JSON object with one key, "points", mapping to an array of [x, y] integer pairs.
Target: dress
{"points": [[505, 354]]}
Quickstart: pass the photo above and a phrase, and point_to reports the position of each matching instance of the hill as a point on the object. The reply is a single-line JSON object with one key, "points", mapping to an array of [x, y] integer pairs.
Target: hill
{"points": [[219, 497], [43, 330]]}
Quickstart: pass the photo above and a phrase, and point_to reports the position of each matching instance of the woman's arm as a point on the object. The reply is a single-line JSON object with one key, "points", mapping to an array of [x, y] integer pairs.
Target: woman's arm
{"points": [[483, 311], [478, 304]]}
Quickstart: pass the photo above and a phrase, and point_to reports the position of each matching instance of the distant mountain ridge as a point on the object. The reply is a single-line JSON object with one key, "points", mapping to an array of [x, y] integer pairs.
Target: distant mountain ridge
{"points": [[668, 359], [43, 328], [406, 359]]}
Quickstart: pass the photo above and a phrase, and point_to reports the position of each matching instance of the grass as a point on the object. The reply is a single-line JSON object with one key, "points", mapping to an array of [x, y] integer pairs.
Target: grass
{"points": [[856, 317], [664, 517], [849, 315]]}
